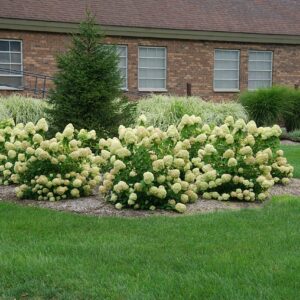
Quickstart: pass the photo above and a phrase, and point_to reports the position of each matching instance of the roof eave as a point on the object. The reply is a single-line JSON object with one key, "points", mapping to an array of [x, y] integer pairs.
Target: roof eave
{"points": [[60, 27]]}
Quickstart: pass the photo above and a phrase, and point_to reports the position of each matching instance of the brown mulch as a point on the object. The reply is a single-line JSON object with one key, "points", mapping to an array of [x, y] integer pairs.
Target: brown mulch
{"points": [[97, 206], [289, 142]]}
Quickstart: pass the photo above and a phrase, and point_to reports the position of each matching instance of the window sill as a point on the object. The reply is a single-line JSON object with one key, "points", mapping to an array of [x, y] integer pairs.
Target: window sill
{"points": [[226, 91], [124, 89], [153, 90], [7, 88]]}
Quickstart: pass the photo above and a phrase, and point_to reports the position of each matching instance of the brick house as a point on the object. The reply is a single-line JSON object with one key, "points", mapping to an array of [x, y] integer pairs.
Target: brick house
{"points": [[220, 47]]}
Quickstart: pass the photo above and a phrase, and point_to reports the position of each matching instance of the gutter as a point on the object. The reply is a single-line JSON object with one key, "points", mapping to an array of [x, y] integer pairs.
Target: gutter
{"points": [[61, 27]]}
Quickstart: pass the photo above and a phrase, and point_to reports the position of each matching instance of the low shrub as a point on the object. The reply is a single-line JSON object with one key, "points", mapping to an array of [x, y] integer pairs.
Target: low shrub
{"points": [[163, 111], [60, 168], [292, 135], [14, 144], [22, 109], [269, 106], [147, 167], [292, 118], [295, 134]]}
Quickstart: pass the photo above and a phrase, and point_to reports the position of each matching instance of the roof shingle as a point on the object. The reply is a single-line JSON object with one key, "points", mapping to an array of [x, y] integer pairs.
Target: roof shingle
{"points": [[243, 16]]}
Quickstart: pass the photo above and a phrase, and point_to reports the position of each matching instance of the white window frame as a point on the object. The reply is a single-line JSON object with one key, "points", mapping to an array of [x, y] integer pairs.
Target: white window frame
{"points": [[12, 75], [238, 72], [271, 71], [125, 88], [165, 69]]}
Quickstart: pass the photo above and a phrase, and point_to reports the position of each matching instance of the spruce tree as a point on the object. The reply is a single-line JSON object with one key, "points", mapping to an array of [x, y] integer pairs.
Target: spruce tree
{"points": [[87, 83]]}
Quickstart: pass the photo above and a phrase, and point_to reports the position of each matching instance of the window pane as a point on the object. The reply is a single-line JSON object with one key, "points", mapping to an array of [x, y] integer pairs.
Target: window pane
{"points": [[122, 52], [226, 70], [260, 55], [4, 69], [260, 75], [226, 75], [152, 73], [226, 84], [11, 82], [259, 84], [226, 65], [16, 69], [15, 46], [122, 63], [152, 63], [260, 65], [4, 58], [152, 84], [4, 45], [15, 58], [227, 54]]}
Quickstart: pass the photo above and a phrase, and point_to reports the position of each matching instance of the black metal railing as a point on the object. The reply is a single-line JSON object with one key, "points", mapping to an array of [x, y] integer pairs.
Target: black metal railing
{"points": [[30, 81]]}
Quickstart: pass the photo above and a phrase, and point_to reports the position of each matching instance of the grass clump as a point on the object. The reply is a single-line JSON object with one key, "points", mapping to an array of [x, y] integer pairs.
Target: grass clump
{"points": [[162, 111], [268, 106], [22, 109]]}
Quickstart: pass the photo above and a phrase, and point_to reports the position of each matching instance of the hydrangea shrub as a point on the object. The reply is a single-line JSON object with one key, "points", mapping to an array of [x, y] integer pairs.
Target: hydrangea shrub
{"points": [[148, 168], [14, 144], [59, 168]]}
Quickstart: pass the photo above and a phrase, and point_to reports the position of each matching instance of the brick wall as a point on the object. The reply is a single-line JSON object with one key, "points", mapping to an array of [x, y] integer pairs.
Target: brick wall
{"points": [[187, 61]]}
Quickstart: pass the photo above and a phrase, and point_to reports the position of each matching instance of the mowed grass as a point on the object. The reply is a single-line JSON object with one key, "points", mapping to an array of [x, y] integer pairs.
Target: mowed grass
{"points": [[292, 153], [249, 254]]}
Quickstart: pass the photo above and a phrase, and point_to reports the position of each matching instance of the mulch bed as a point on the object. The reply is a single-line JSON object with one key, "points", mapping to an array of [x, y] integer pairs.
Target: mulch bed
{"points": [[97, 206], [289, 142]]}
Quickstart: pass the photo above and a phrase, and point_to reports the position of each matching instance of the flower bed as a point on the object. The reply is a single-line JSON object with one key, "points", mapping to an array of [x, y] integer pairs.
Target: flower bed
{"points": [[145, 167], [148, 168]]}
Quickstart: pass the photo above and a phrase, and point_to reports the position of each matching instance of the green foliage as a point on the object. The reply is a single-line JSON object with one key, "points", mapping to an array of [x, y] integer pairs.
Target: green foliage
{"points": [[295, 134], [22, 109], [292, 118], [162, 111], [274, 105], [292, 135], [149, 168], [125, 111], [87, 82]]}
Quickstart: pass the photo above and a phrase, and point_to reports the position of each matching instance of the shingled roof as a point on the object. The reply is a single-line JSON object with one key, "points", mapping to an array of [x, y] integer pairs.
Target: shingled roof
{"points": [[242, 16]]}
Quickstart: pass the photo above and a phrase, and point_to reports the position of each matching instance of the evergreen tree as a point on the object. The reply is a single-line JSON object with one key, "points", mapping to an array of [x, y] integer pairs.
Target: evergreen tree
{"points": [[87, 83]]}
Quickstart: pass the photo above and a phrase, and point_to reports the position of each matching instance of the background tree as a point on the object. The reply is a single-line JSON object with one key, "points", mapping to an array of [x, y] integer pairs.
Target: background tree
{"points": [[87, 83]]}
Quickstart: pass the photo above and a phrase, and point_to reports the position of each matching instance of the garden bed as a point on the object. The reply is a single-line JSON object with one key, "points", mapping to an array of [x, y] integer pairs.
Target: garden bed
{"points": [[96, 205]]}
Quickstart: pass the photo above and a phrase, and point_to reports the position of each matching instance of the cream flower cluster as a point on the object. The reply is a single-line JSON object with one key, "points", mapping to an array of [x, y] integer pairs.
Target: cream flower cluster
{"points": [[148, 168], [58, 168], [15, 143]]}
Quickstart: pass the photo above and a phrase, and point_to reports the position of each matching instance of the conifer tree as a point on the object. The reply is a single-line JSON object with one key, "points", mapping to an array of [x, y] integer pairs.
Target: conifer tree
{"points": [[87, 83]]}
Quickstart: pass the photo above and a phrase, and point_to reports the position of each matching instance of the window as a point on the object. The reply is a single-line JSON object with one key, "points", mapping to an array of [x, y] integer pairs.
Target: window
{"points": [[11, 64], [152, 68], [260, 69], [227, 70], [122, 52]]}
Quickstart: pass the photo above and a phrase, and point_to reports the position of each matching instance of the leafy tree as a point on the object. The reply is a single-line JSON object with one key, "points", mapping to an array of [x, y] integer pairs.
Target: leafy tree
{"points": [[87, 83]]}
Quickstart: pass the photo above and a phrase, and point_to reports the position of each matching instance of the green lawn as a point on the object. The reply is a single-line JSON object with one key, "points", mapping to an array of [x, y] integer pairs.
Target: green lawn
{"points": [[250, 254], [292, 153]]}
